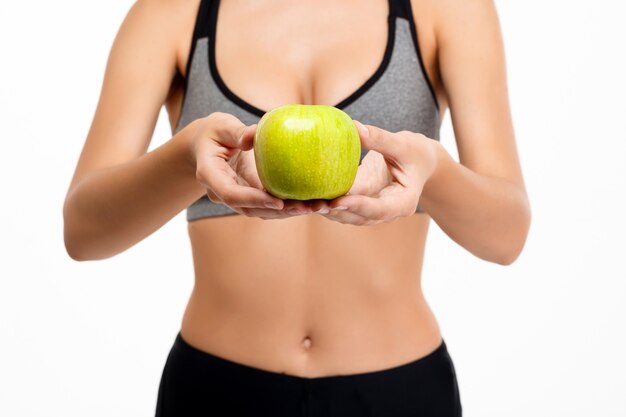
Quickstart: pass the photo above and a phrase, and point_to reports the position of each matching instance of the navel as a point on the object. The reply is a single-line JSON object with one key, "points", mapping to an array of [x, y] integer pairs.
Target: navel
{"points": [[307, 342]]}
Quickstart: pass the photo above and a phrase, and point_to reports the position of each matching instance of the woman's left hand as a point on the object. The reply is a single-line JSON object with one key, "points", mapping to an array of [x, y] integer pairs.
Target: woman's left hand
{"points": [[389, 180]]}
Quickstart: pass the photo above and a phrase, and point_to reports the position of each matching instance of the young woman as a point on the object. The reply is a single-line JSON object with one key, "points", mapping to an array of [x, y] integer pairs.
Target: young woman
{"points": [[304, 308]]}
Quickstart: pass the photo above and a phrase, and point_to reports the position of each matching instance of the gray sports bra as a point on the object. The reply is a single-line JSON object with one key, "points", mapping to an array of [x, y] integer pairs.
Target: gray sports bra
{"points": [[398, 96]]}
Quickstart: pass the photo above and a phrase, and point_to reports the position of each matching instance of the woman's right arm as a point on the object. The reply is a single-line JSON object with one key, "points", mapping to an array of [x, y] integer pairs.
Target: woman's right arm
{"points": [[120, 194]]}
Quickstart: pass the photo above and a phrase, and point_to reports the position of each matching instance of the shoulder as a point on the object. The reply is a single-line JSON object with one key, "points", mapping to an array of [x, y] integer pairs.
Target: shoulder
{"points": [[459, 18], [168, 17], [170, 23], [165, 8]]}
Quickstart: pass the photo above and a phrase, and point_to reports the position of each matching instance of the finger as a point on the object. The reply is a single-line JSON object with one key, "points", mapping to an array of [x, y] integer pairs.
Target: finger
{"points": [[346, 217], [212, 197], [246, 141], [360, 185], [250, 173], [367, 178], [319, 206], [393, 201], [265, 214], [229, 131], [268, 213], [389, 144], [296, 207], [221, 179]]}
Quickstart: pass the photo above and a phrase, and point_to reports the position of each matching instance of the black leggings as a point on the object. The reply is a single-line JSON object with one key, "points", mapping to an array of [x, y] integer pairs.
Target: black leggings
{"points": [[197, 383]]}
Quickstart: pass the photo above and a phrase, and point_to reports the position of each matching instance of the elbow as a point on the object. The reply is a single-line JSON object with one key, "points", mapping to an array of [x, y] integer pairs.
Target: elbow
{"points": [[505, 246], [80, 242], [71, 240], [507, 257], [81, 248], [507, 253], [90, 242], [74, 251], [501, 254], [75, 245], [511, 246]]}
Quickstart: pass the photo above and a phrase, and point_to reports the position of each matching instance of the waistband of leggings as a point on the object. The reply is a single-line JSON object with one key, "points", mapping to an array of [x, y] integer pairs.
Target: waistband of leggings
{"points": [[228, 365]]}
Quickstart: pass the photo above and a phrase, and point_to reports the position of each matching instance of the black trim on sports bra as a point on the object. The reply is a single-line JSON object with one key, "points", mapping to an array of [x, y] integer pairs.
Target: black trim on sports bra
{"points": [[200, 30], [391, 31], [408, 14]]}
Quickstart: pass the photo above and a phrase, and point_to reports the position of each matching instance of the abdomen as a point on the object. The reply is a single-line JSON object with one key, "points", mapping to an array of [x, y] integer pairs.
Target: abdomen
{"points": [[309, 296]]}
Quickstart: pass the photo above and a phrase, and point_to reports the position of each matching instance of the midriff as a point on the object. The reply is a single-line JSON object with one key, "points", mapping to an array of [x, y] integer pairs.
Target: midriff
{"points": [[308, 296]]}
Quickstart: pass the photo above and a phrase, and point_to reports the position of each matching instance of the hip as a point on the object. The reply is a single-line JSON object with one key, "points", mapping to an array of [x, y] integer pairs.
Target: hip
{"points": [[198, 383]]}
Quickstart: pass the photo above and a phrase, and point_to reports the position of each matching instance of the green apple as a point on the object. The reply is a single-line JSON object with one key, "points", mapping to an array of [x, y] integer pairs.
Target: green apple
{"points": [[305, 152]]}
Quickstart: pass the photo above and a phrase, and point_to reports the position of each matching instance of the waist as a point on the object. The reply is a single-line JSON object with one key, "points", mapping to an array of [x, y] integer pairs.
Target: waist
{"points": [[308, 296], [315, 336]]}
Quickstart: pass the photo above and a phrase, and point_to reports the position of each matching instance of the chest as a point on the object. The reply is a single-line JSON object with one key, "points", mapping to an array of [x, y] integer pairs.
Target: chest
{"points": [[253, 56], [306, 52]]}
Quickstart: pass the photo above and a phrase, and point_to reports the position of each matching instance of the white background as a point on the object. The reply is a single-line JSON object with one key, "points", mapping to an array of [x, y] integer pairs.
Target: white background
{"points": [[542, 337]]}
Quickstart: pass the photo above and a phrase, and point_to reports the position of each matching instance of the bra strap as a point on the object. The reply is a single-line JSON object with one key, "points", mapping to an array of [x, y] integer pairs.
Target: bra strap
{"points": [[403, 9], [400, 8], [201, 28]]}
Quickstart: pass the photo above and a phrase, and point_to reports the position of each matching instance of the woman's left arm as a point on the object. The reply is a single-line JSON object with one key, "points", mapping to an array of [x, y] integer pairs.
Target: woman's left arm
{"points": [[481, 202]]}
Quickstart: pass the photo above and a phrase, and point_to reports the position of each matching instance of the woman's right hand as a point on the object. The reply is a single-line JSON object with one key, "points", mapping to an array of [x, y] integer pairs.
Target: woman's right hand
{"points": [[221, 149]]}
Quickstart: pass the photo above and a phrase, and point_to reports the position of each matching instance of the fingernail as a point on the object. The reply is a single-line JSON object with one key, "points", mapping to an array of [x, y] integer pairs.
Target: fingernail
{"points": [[363, 129], [270, 205], [323, 211], [340, 208], [294, 211]]}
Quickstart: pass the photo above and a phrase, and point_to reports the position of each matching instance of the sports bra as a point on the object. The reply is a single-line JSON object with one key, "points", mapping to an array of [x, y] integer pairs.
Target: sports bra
{"points": [[397, 96]]}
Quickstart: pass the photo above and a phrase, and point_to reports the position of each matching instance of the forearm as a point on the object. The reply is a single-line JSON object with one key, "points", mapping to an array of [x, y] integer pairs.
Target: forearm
{"points": [[488, 216], [111, 209]]}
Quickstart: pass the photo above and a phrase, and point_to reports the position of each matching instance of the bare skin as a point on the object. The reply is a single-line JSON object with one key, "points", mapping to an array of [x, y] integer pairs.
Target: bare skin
{"points": [[307, 295]]}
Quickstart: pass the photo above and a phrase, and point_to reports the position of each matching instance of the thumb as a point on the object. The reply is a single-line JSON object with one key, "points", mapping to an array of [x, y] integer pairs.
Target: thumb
{"points": [[382, 141], [228, 130], [246, 138]]}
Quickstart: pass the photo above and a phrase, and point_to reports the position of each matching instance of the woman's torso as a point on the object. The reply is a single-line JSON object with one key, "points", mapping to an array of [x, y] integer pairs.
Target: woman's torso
{"points": [[305, 295]]}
